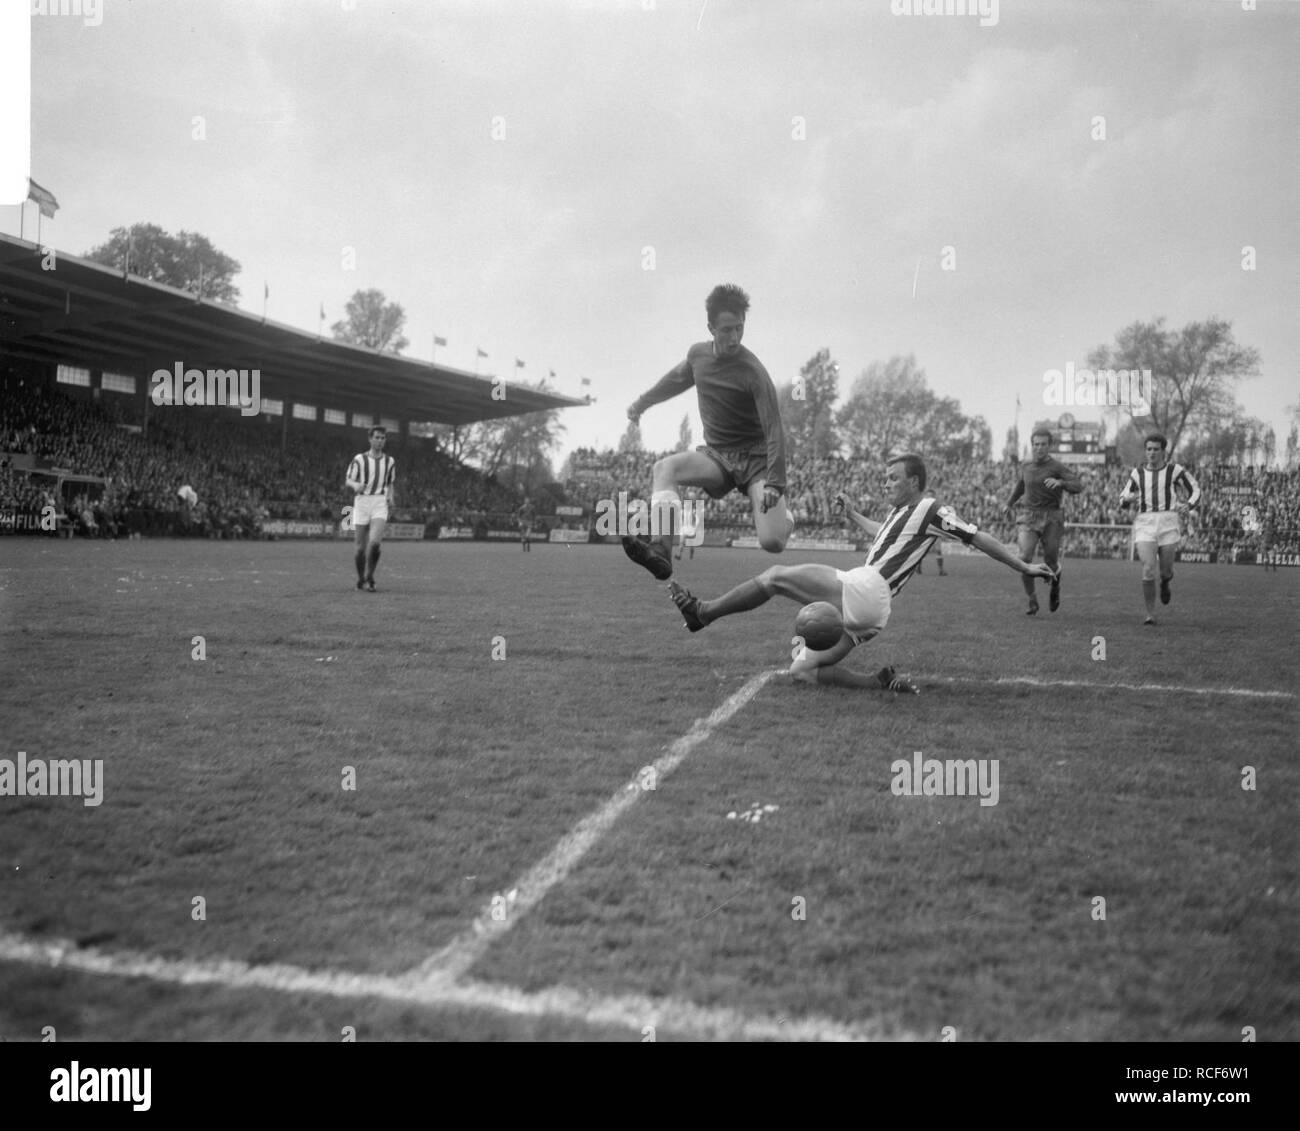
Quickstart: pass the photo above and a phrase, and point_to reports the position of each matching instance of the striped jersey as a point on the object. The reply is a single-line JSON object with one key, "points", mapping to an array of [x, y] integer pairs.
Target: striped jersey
{"points": [[907, 535], [1154, 490], [374, 473]]}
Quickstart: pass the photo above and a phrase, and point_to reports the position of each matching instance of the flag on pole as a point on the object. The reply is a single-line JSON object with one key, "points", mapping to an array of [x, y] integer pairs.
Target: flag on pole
{"points": [[44, 198], [322, 312], [518, 364], [266, 290], [584, 381], [481, 353], [437, 341]]}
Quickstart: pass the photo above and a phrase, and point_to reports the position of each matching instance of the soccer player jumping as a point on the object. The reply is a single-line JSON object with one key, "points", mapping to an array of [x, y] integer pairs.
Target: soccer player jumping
{"points": [[863, 595], [1040, 517], [1156, 528], [371, 476], [744, 442]]}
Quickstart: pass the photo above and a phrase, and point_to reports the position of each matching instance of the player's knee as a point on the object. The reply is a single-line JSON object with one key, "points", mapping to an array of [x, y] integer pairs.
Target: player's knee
{"points": [[1148, 571], [771, 542], [770, 580]]}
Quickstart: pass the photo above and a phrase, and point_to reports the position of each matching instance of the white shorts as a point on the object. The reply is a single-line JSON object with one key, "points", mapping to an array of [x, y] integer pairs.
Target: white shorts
{"points": [[1160, 527], [864, 596], [366, 507]]}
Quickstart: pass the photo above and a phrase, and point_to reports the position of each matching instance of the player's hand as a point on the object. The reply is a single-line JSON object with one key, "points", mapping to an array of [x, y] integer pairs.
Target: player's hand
{"points": [[1051, 483], [771, 496], [1041, 569], [840, 504]]}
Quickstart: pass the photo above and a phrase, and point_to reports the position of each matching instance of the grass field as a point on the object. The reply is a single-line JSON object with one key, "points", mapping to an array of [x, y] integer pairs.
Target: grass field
{"points": [[489, 702]]}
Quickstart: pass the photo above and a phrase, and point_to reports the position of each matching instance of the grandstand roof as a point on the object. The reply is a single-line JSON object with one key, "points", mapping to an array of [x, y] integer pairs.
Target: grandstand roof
{"points": [[84, 313]]}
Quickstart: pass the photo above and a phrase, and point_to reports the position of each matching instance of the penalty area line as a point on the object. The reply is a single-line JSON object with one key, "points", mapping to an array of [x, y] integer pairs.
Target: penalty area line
{"points": [[1244, 692], [505, 910], [632, 1011]]}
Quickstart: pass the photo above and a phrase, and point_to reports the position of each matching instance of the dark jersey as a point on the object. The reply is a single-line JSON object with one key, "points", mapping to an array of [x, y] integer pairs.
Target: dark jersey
{"points": [[1035, 493], [738, 403], [907, 535]]}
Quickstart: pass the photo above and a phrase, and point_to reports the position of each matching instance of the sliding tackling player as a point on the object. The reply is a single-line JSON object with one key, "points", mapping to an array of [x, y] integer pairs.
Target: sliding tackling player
{"points": [[863, 595], [370, 475]]}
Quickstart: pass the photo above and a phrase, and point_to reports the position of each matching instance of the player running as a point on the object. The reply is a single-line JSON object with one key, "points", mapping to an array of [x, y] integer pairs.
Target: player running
{"points": [[371, 475], [526, 515], [1040, 517], [744, 448], [863, 595], [1156, 528]]}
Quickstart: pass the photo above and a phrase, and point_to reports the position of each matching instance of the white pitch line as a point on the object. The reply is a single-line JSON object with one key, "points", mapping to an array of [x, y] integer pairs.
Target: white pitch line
{"points": [[632, 1011], [498, 916], [1242, 691]]}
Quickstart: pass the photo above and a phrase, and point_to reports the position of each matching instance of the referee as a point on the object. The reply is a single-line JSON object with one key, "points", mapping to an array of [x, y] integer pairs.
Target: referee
{"points": [[370, 476], [1040, 517]]}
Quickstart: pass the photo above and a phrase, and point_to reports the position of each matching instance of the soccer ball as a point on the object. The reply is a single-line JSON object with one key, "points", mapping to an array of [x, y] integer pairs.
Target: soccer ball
{"points": [[820, 625]]}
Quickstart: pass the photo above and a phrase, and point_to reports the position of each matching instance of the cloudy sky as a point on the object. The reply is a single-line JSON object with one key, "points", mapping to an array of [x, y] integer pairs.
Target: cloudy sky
{"points": [[564, 181]]}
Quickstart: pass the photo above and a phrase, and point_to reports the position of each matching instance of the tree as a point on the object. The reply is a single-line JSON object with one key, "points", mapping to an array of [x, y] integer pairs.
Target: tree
{"points": [[631, 441], [1193, 372], [684, 435], [187, 261], [892, 409], [808, 406], [372, 322], [1011, 449], [516, 450], [884, 408]]}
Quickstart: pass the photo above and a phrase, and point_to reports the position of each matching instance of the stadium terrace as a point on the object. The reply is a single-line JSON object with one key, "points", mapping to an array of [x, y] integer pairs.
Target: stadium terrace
{"points": [[240, 387]]}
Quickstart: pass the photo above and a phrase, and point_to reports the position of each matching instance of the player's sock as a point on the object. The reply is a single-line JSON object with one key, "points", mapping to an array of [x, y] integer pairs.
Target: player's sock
{"points": [[747, 595], [372, 562], [361, 563], [1149, 595], [1164, 589], [666, 518], [1028, 583]]}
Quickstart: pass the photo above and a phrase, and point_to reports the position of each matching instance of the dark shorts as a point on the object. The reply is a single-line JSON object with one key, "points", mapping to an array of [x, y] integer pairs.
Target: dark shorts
{"points": [[740, 468], [1043, 522]]}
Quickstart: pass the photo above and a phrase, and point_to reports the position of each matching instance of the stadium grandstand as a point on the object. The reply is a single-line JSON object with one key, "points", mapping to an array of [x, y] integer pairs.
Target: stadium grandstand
{"points": [[80, 429]]}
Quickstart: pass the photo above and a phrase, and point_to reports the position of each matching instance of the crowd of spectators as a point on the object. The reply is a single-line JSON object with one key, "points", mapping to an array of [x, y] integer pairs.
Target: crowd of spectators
{"points": [[978, 492], [243, 472]]}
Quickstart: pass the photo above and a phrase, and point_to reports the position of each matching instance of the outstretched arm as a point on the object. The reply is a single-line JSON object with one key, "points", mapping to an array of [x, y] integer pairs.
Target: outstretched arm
{"points": [[998, 552], [676, 380], [841, 505]]}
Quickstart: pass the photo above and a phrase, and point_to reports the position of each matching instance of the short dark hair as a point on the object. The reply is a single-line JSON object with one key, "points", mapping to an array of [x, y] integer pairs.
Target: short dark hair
{"points": [[1041, 432], [913, 465], [379, 428], [728, 297], [1159, 438]]}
